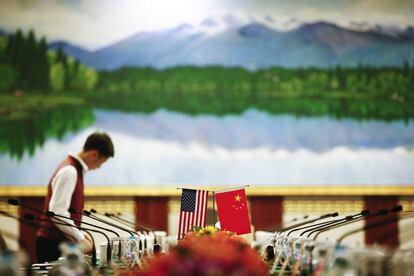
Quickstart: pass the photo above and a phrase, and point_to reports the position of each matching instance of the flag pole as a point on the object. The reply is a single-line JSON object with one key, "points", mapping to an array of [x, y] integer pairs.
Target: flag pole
{"points": [[231, 189], [182, 188], [214, 208], [218, 191]]}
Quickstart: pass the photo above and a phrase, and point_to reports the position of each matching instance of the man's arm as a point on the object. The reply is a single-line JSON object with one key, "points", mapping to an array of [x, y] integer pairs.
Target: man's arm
{"points": [[63, 186]]}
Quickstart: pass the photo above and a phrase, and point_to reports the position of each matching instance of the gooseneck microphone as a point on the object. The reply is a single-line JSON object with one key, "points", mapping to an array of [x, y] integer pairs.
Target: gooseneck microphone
{"points": [[92, 215], [31, 217], [26, 222], [306, 222], [47, 229], [28, 219], [327, 223], [88, 214], [311, 221], [51, 214], [296, 219], [118, 219], [381, 212], [404, 215], [131, 224]]}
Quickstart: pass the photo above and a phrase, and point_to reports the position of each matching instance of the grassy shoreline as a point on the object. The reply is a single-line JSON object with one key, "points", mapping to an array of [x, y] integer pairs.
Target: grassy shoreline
{"points": [[336, 105], [28, 121], [20, 107]]}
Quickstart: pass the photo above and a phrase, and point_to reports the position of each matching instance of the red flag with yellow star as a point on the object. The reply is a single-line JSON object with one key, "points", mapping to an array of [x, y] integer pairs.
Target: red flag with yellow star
{"points": [[232, 211]]}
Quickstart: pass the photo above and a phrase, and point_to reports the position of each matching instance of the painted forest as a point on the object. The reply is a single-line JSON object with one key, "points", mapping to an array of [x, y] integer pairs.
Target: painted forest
{"points": [[33, 77]]}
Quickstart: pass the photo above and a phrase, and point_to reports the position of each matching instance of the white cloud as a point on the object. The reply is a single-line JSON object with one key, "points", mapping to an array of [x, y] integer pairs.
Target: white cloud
{"points": [[97, 23]]}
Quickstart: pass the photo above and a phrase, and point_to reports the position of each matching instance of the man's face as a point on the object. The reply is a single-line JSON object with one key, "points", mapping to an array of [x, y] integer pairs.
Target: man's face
{"points": [[96, 161]]}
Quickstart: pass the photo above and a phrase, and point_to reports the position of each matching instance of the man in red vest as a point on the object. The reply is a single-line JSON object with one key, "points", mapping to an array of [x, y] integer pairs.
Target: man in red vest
{"points": [[65, 191]]}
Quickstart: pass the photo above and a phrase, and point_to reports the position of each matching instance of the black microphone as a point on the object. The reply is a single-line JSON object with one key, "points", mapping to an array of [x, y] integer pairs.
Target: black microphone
{"points": [[52, 214], [36, 225], [13, 201], [311, 221], [31, 217], [326, 223], [24, 221], [380, 212], [88, 214], [136, 226], [297, 219], [306, 222], [348, 220], [118, 219], [405, 215]]}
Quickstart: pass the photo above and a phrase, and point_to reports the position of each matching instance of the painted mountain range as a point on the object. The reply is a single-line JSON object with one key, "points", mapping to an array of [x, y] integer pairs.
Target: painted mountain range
{"points": [[253, 46]]}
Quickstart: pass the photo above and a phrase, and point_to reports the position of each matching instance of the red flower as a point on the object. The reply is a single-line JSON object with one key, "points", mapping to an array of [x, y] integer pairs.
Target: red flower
{"points": [[219, 254]]}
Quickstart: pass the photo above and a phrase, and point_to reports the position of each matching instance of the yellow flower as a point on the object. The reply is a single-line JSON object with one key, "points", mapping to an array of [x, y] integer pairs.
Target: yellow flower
{"points": [[206, 231]]}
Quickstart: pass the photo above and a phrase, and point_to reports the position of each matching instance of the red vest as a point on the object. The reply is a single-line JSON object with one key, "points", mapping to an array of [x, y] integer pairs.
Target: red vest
{"points": [[52, 232]]}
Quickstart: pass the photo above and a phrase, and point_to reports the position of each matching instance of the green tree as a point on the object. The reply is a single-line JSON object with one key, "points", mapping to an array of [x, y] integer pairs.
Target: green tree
{"points": [[3, 45], [85, 78], [91, 77], [57, 77], [8, 78], [29, 63], [62, 58], [29, 59], [43, 66]]}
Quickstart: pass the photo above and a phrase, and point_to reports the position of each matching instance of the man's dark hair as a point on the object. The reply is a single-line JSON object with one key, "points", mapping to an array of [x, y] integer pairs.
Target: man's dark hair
{"points": [[101, 142]]}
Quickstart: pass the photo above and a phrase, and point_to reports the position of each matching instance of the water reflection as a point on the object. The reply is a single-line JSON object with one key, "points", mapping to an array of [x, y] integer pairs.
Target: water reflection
{"points": [[255, 129], [19, 137], [166, 148]]}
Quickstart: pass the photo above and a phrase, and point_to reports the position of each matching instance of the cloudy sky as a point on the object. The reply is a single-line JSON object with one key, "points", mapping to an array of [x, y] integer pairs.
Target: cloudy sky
{"points": [[97, 23]]}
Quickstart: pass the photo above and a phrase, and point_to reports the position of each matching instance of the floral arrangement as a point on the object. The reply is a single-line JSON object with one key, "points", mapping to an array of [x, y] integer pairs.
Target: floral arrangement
{"points": [[208, 230], [208, 251]]}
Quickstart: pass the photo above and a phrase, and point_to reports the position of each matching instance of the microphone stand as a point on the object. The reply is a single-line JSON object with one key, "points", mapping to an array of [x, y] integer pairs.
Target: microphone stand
{"points": [[320, 229], [374, 225], [28, 219], [314, 220], [118, 219], [306, 222], [380, 212], [88, 214], [293, 227], [297, 219], [126, 222], [298, 227], [50, 214], [140, 226], [29, 268], [87, 230], [16, 202], [277, 238], [25, 221], [327, 223]]}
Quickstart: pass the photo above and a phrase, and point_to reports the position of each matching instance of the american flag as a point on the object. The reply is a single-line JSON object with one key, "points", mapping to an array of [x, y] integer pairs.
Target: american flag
{"points": [[193, 210]]}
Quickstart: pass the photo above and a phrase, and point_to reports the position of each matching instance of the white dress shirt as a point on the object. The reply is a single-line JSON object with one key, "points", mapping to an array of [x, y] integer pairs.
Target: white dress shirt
{"points": [[63, 186]]}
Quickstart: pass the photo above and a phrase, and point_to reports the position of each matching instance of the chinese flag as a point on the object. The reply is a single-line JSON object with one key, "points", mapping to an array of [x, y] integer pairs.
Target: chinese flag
{"points": [[232, 211]]}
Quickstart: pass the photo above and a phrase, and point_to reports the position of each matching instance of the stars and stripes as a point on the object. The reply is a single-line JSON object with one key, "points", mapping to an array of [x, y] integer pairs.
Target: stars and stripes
{"points": [[193, 210]]}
